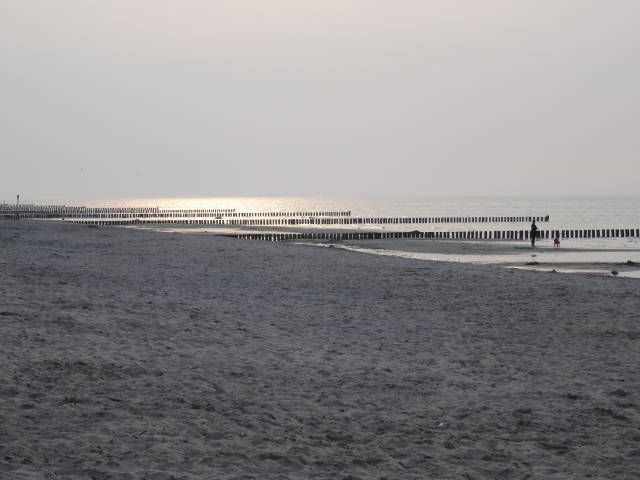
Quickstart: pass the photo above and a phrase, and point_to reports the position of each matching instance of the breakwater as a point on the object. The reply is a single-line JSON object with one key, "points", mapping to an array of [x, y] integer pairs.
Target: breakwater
{"points": [[231, 217], [451, 235], [132, 215], [146, 213], [286, 221]]}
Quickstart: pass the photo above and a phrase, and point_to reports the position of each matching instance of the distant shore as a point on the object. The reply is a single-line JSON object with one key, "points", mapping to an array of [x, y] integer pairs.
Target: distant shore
{"points": [[136, 354]]}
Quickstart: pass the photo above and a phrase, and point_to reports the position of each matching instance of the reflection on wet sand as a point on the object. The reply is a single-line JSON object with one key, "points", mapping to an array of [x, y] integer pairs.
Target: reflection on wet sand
{"points": [[594, 260]]}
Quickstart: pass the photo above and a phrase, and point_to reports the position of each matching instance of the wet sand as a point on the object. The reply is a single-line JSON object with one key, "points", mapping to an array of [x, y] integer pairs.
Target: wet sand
{"points": [[133, 354], [574, 259]]}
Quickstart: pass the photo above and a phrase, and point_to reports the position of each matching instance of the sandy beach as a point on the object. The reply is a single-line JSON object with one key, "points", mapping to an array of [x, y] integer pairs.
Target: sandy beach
{"points": [[131, 354]]}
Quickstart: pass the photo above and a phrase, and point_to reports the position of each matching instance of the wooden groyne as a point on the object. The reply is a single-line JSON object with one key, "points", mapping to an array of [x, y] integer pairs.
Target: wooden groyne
{"points": [[301, 221], [452, 235], [133, 213], [292, 214], [597, 233], [62, 211], [126, 215]]}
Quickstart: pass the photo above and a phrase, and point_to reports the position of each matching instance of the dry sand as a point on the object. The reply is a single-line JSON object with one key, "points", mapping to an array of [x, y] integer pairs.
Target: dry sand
{"points": [[142, 355]]}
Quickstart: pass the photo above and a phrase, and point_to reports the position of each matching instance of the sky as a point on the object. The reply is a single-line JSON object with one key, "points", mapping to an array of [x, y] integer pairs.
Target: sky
{"points": [[160, 98]]}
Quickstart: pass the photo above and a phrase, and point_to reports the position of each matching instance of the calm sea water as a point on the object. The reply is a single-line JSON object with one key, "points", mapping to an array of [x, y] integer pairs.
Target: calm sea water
{"points": [[565, 212]]}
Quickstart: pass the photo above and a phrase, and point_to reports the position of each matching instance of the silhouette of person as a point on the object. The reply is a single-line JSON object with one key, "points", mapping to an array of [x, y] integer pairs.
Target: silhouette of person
{"points": [[534, 233]]}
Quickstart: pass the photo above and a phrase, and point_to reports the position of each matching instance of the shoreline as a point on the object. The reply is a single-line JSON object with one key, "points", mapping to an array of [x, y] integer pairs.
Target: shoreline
{"points": [[503, 253], [509, 255]]}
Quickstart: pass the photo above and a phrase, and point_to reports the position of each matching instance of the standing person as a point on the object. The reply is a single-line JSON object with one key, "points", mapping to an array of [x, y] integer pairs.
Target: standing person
{"points": [[534, 233]]}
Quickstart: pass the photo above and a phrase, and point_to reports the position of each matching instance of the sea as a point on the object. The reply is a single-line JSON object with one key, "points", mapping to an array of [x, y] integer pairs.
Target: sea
{"points": [[564, 212]]}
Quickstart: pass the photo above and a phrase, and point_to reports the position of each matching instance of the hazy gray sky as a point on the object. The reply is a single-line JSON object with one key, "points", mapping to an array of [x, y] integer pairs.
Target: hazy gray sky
{"points": [[215, 97]]}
